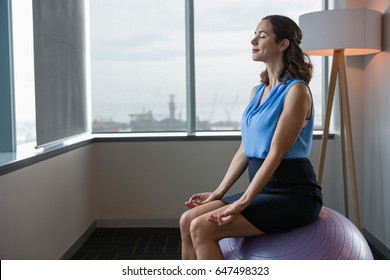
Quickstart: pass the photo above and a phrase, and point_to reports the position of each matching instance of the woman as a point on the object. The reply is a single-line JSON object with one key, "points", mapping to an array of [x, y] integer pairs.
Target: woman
{"points": [[277, 129]]}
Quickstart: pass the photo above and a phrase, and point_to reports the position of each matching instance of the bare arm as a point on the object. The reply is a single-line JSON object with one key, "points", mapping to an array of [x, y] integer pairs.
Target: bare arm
{"points": [[236, 168], [297, 108]]}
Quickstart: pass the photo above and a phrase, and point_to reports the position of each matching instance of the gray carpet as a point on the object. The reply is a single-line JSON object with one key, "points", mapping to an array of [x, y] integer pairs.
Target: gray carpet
{"points": [[131, 244]]}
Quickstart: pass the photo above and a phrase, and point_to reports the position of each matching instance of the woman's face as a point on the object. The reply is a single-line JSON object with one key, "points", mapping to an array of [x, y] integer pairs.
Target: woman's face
{"points": [[264, 47]]}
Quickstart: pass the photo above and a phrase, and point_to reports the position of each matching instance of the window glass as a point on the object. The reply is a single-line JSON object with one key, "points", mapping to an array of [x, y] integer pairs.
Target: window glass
{"points": [[23, 66], [225, 72], [138, 69]]}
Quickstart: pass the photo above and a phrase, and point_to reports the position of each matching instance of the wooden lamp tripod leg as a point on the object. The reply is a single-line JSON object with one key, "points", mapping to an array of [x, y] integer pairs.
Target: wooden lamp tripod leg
{"points": [[338, 67], [342, 139], [328, 113], [348, 137]]}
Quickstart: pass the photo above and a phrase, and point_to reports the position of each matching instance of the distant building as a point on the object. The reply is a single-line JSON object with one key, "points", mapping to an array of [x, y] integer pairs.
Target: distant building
{"points": [[145, 122]]}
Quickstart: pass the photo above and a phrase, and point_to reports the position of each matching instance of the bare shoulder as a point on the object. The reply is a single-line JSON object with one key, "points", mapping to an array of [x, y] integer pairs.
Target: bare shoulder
{"points": [[298, 100], [299, 92]]}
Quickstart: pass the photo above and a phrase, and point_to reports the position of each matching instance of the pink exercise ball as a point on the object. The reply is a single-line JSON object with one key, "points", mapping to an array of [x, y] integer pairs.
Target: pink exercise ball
{"points": [[331, 237]]}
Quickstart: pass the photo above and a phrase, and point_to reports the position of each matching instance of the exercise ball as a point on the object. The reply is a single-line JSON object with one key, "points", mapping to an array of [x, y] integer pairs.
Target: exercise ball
{"points": [[330, 237]]}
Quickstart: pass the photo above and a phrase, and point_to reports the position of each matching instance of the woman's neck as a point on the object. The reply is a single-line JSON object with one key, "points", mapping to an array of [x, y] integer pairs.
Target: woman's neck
{"points": [[273, 73]]}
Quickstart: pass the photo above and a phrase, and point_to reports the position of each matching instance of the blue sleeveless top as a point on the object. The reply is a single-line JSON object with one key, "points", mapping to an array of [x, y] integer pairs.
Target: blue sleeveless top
{"points": [[258, 124]]}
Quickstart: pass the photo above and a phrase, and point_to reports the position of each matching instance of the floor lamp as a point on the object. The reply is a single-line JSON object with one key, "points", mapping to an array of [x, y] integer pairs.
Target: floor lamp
{"points": [[341, 33]]}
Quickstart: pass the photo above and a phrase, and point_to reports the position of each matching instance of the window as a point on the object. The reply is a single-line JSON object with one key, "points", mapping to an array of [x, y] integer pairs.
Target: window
{"points": [[138, 65], [138, 62]]}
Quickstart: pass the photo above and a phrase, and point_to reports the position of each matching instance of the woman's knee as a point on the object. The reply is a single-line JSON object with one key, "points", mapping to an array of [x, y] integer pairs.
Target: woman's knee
{"points": [[200, 229], [185, 220], [194, 213]]}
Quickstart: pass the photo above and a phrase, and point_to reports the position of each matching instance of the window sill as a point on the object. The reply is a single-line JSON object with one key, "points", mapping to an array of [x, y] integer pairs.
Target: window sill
{"points": [[167, 136], [28, 154]]}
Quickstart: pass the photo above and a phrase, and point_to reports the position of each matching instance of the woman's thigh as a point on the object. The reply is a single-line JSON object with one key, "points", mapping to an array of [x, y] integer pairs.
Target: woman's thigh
{"points": [[200, 210], [238, 227]]}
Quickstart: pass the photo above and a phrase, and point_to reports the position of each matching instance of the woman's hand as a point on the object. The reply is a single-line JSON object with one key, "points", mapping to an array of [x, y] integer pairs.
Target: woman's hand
{"points": [[227, 215], [201, 198]]}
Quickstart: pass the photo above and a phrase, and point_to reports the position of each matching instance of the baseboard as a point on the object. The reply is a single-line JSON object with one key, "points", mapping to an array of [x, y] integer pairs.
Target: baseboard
{"points": [[79, 242], [134, 223], [378, 245]]}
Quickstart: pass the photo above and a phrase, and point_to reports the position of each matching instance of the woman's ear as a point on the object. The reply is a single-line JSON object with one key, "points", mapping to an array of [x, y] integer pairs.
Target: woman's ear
{"points": [[284, 44]]}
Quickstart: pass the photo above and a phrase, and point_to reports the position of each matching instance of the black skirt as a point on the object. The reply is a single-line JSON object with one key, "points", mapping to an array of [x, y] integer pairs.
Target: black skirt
{"points": [[291, 198]]}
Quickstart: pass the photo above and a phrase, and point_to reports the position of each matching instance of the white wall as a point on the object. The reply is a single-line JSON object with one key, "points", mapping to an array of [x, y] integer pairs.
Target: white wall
{"points": [[141, 181], [46, 207], [376, 133], [369, 84]]}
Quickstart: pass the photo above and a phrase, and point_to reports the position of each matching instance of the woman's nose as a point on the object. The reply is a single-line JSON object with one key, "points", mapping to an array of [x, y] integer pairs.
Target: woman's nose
{"points": [[254, 41]]}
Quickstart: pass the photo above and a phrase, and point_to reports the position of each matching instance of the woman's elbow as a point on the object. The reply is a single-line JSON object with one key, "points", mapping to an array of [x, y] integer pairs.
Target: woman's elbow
{"points": [[277, 155]]}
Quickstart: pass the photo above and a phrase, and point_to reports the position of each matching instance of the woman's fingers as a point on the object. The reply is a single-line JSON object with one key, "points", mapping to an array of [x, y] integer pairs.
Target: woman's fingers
{"points": [[192, 203], [225, 220], [220, 219], [198, 199], [225, 216]]}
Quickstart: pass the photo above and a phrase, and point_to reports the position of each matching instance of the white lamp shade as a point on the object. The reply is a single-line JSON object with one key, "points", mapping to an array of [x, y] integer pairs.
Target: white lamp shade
{"points": [[356, 31]]}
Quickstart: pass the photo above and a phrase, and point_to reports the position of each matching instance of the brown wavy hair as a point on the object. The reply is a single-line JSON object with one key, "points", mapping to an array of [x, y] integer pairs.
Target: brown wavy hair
{"points": [[297, 65]]}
